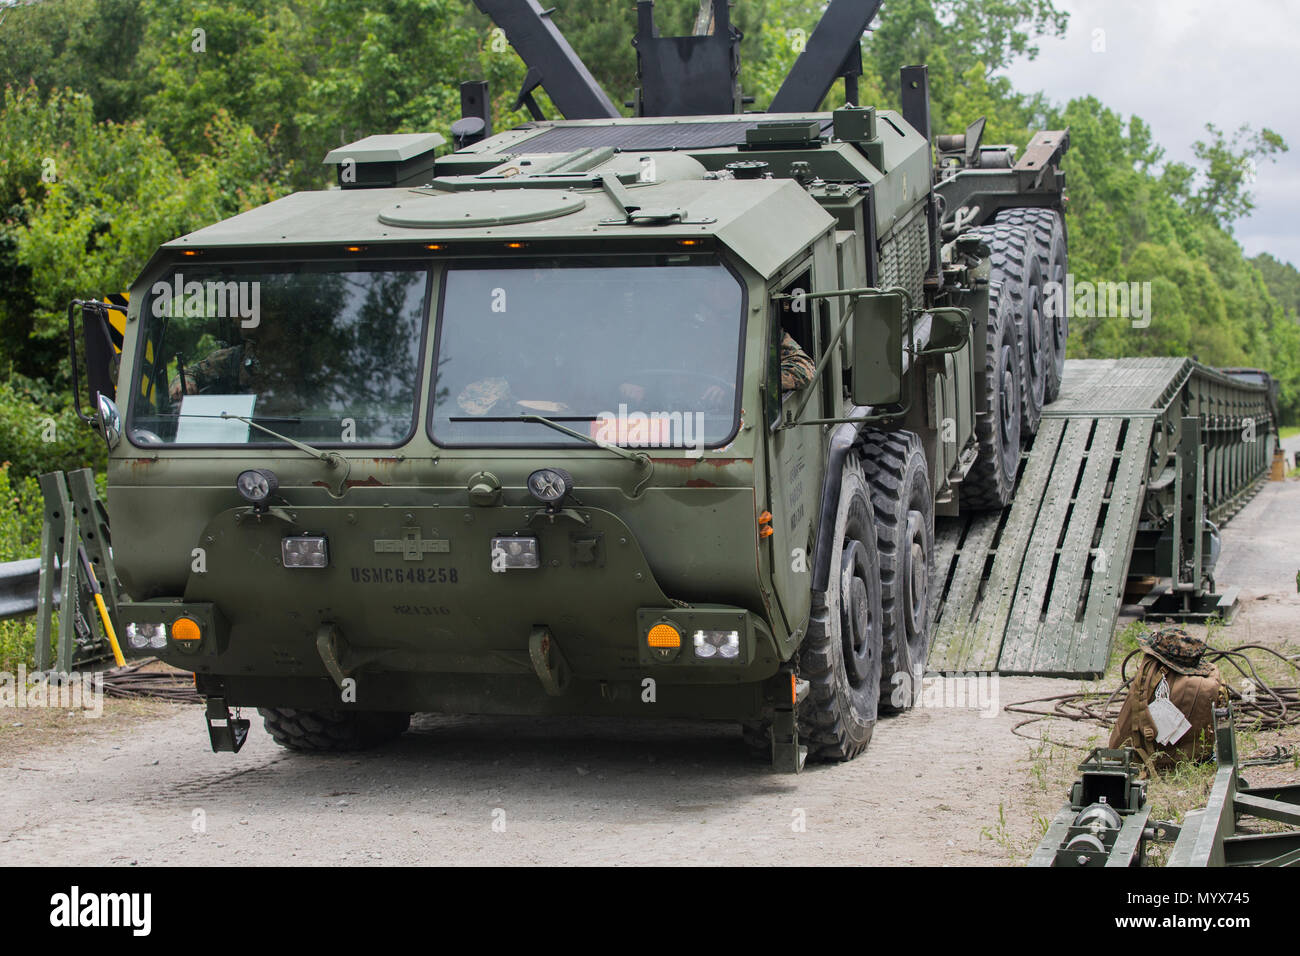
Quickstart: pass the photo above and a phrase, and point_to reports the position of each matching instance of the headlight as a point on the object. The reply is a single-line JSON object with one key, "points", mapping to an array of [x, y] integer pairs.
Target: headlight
{"points": [[141, 636], [257, 485], [550, 485], [305, 551], [515, 552], [724, 644]]}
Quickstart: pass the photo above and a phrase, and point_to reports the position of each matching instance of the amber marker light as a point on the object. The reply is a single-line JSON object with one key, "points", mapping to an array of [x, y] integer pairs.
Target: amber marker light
{"points": [[186, 629], [664, 635], [765, 525]]}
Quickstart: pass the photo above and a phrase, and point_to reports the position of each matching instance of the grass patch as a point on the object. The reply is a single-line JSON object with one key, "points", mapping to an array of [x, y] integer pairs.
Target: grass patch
{"points": [[18, 645]]}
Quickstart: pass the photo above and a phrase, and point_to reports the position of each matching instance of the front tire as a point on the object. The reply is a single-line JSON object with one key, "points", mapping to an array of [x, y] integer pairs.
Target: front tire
{"points": [[895, 468], [841, 656], [332, 731]]}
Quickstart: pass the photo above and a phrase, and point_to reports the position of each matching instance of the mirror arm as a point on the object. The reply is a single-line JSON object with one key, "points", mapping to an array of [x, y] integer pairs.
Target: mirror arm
{"points": [[827, 354], [795, 417]]}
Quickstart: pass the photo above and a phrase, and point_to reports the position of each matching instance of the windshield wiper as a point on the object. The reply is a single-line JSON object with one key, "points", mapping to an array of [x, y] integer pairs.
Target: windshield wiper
{"points": [[639, 457], [330, 457]]}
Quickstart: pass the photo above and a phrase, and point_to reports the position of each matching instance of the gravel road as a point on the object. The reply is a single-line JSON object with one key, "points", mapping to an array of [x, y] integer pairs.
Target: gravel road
{"points": [[937, 786]]}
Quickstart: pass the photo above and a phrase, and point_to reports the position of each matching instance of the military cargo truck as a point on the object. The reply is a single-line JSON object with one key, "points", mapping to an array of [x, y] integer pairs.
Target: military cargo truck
{"points": [[502, 428]]}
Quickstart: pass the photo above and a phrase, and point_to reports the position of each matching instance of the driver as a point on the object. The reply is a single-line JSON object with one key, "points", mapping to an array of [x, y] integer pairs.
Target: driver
{"points": [[226, 370]]}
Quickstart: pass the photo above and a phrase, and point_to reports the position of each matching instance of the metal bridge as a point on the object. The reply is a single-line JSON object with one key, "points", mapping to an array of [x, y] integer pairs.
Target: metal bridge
{"points": [[1107, 488]]}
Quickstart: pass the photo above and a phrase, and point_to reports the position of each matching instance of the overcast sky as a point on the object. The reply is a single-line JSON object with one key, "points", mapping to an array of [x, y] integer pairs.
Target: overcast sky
{"points": [[1180, 64]]}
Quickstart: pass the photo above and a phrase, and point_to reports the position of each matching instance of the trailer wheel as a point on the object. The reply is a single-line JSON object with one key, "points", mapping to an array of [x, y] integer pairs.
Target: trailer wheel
{"points": [[895, 468], [1015, 265], [1048, 230], [989, 484], [841, 654], [332, 731]]}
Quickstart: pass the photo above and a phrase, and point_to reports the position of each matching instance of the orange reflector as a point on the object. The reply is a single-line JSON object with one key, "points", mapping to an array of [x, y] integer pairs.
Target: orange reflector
{"points": [[766, 531], [688, 242], [433, 246], [184, 629], [664, 635], [514, 245], [765, 518], [794, 690], [189, 252]]}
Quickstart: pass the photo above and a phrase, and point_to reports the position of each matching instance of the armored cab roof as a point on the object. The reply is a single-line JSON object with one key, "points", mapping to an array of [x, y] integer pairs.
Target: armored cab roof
{"points": [[764, 221]]}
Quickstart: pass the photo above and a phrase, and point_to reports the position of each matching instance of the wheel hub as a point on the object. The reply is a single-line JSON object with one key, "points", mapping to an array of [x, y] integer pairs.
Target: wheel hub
{"points": [[857, 628], [918, 578]]}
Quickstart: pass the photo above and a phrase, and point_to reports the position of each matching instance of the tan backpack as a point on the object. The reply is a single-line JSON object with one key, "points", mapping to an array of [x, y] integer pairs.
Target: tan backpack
{"points": [[1193, 687]]}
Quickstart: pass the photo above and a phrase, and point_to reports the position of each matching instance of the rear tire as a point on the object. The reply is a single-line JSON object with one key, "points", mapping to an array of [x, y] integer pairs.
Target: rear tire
{"points": [[1048, 230], [992, 479], [332, 731], [1015, 265], [841, 654], [896, 471]]}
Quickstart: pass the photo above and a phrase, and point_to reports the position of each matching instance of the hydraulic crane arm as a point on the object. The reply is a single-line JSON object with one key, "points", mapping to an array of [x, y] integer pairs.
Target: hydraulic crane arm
{"points": [[552, 63], [832, 52]]}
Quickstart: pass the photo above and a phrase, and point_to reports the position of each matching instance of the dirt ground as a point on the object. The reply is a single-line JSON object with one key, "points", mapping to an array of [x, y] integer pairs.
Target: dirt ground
{"points": [[938, 786]]}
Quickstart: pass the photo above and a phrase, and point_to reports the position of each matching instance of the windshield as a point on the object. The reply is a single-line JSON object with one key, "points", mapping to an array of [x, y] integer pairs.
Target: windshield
{"points": [[324, 353], [640, 352]]}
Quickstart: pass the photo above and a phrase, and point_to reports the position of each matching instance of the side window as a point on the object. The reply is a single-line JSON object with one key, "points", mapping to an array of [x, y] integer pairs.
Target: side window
{"points": [[795, 317]]}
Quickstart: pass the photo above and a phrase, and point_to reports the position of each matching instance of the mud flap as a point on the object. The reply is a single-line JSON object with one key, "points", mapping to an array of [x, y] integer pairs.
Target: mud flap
{"points": [[788, 755], [226, 733]]}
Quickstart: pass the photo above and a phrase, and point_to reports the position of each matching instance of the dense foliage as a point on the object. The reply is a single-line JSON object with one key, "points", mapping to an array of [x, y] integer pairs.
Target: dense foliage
{"points": [[127, 122]]}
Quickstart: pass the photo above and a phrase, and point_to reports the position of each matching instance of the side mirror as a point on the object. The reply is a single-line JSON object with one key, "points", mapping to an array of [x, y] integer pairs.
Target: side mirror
{"points": [[110, 422], [878, 349], [949, 331]]}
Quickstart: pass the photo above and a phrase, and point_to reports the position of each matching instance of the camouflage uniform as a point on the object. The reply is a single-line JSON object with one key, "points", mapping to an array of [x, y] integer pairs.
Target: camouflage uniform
{"points": [[227, 368], [796, 367]]}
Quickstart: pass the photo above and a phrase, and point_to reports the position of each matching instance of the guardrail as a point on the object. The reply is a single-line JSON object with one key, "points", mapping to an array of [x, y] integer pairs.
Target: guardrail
{"points": [[20, 587]]}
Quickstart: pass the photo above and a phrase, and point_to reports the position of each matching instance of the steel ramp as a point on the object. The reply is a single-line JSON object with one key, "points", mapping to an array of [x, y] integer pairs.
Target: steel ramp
{"points": [[1036, 588]]}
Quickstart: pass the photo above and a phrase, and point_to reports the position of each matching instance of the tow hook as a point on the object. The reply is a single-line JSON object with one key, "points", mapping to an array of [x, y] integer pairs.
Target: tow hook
{"points": [[788, 755], [226, 733], [548, 661]]}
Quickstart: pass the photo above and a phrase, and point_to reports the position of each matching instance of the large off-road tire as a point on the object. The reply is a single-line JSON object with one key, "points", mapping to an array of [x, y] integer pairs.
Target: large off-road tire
{"points": [[992, 479], [332, 731], [1048, 230], [895, 469], [1015, 265], [841, 655]]}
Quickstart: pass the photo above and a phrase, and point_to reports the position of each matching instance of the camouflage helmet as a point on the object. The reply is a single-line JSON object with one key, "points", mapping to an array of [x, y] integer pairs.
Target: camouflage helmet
{"points": [[1177, 649]]}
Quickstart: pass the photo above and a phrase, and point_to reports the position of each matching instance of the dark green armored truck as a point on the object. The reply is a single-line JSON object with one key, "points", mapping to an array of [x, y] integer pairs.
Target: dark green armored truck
{"points": [[502, 428]]}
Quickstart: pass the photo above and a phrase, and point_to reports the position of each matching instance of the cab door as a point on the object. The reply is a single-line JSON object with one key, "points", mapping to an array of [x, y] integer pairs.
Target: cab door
{"points": [[794, 472]]}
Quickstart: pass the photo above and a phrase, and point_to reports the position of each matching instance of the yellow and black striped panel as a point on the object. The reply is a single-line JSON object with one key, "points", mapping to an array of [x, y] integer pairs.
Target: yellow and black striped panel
{"points": [[117, 317], [118, 303]]}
